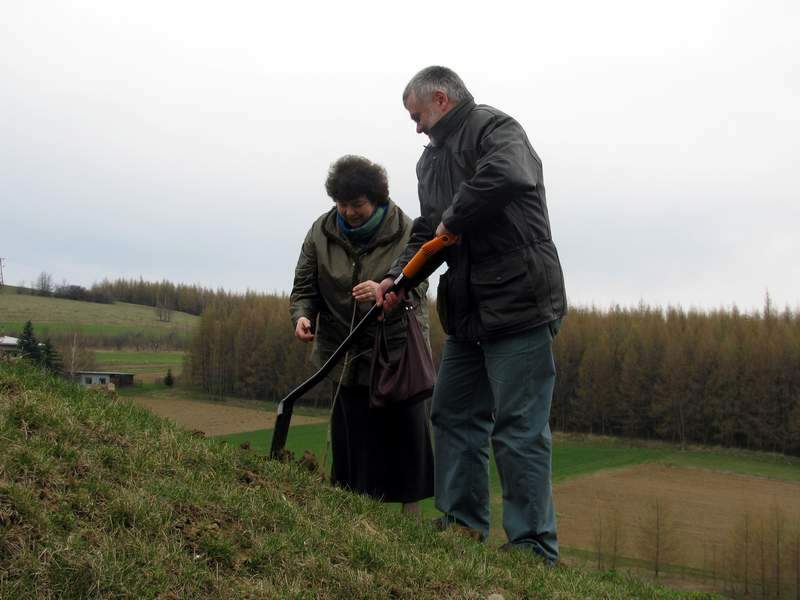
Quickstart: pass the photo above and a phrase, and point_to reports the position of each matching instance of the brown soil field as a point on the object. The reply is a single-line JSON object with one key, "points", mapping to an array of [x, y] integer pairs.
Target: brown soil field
{"points": [[701, 511], [212, 418]]}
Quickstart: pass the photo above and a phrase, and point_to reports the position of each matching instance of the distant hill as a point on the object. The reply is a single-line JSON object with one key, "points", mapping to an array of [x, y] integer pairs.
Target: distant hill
{"points": [[117, 324], [101, 499]]}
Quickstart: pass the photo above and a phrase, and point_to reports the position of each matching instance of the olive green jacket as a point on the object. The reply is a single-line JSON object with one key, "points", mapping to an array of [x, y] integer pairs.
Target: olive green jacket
{"points": [[328, 268]]}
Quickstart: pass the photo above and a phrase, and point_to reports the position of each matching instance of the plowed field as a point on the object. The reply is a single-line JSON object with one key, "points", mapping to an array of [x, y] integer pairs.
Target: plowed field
{"points": [[701, 511], [212, 418]]}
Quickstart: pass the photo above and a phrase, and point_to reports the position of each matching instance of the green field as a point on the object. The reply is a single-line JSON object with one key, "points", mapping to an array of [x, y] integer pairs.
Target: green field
{"points": [[58, 316], [140, 363]]}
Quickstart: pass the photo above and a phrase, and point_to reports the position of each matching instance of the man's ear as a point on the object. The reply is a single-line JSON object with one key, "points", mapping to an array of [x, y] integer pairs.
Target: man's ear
{"points": [[440, 98]]}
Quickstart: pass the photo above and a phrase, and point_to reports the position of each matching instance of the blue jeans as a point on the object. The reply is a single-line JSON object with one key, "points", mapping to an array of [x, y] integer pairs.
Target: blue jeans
{"points": [[500, 390]]}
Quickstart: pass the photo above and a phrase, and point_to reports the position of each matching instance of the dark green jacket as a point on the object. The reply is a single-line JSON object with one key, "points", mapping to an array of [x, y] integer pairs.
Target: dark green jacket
{"points": [[328, 268], [483, 180]]}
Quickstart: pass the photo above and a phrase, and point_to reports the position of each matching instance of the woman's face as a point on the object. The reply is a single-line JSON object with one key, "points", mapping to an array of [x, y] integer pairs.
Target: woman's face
{"points": [[355, 212]]}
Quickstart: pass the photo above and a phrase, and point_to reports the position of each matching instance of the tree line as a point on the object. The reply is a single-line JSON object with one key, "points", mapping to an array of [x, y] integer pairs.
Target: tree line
{"points": [[164, 295], [720, 377], [246, 347], [43, 286]]}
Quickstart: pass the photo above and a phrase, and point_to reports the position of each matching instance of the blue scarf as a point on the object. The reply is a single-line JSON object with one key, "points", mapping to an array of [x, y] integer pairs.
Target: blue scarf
{"points": [[363, 233]]}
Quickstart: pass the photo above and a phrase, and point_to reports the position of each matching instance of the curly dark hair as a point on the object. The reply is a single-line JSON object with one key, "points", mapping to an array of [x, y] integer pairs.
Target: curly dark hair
{"points": [[353, 176]]}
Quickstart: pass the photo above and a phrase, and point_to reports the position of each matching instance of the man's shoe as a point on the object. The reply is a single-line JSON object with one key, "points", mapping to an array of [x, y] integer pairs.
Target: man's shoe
{"points": [[444, 523], [509, 547]]}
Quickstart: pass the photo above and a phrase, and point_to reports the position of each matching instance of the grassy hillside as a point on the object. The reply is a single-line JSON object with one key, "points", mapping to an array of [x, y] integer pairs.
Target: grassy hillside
{"points": [[57, 316], [100, 499]]}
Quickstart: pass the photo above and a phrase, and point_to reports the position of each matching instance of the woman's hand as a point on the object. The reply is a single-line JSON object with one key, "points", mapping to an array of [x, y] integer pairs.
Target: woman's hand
{"points": [[303, 330], [366, 291], [389, 300]]}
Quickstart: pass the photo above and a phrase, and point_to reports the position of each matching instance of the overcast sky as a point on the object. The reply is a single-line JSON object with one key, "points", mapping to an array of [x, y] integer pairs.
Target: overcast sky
{"points": [[190, 141]]}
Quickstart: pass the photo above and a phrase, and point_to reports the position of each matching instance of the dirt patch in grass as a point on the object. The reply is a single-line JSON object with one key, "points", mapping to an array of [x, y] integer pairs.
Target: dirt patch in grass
{"points": [[701, 509], [212, 418]]}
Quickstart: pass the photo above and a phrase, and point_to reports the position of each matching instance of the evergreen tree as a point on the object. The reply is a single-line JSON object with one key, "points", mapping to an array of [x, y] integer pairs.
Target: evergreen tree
{"points": [[28, 344]]}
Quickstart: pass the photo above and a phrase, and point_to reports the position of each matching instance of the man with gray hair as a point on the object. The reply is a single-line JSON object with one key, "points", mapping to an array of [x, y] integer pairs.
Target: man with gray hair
{"points": [[500, 303]]}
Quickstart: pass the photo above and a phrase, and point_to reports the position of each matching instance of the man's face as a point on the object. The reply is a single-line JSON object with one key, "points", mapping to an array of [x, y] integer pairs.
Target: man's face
{"points": [[426, 112], [356, 212]]}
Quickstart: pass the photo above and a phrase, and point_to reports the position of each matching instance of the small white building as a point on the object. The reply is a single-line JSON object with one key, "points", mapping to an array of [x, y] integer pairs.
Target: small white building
{"points": [[88, 378], [8, 343]]}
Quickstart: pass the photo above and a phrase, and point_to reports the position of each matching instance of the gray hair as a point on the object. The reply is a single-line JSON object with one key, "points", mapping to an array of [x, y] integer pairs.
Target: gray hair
{"points": [[430, 79]]}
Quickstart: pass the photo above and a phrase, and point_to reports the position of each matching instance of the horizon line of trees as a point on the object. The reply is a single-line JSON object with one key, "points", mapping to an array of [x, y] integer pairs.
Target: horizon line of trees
{"points": [[720, 377], [167, 296], [43, 286], [164, 295]]}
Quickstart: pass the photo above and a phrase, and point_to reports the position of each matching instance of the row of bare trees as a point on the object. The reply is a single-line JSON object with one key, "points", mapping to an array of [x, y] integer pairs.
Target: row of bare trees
{"points": [[758, 557], [764, 556], [247, 348]]}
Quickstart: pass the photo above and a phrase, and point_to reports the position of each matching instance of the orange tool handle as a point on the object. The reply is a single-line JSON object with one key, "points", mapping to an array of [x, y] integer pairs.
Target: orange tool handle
{"points": [[428, 249]]}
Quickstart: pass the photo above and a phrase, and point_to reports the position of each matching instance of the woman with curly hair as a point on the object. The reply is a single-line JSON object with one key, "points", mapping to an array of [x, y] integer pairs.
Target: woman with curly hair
{"points": [[383, 452]]}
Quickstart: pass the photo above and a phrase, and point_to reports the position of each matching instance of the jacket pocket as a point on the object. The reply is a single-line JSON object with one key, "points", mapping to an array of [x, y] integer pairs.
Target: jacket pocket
{"points": [[503, 292], [441, 301]]}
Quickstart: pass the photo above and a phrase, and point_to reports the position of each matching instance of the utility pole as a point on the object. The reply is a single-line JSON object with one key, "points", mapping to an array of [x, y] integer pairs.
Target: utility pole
{"points": [[1, 272]]}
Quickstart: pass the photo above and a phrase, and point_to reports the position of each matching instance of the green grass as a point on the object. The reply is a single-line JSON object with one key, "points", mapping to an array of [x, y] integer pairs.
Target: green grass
{"points": [[111, 358], [101, 499], [146, 389], [301, 438], [140, 363], [58, 316], [772, 466], [573, 459]]}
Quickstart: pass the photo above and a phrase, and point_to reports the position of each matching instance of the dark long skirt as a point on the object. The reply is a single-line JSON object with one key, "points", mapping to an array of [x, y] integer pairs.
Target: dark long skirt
{"points": [[385, 453]]}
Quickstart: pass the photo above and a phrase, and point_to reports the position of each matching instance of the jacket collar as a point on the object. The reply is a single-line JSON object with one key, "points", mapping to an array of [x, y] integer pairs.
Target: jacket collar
{"points": [[451, 121], [388, 232]]}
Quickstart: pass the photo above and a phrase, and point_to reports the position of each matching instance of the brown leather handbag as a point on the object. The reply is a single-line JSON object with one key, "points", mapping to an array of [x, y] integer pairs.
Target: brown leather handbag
{"points": [[405, 375]]}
